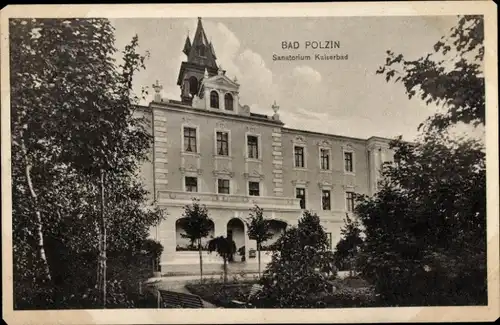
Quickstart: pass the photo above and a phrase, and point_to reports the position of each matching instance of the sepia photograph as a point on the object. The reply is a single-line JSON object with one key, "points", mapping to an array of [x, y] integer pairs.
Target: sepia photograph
{"points": [[328, 161]]}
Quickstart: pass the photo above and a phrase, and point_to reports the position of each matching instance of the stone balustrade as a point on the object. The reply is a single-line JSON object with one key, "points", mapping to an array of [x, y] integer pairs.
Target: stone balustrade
{"points": [[221, 201]]}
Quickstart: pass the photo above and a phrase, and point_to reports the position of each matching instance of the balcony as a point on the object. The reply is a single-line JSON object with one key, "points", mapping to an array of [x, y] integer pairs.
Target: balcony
{"points": [[178, 198]]}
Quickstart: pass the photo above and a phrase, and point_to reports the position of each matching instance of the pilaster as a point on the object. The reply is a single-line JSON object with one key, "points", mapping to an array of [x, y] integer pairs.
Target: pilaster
{"points": [[277, 162], [160, 150]]}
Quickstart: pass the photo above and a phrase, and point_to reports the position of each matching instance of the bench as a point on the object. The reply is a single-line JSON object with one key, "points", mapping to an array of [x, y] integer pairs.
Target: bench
{"points": [[255, 289], [171, 299]]}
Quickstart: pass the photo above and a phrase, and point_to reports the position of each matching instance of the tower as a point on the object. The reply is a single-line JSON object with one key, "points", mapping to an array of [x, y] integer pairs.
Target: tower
{"points": [[200, 56]]}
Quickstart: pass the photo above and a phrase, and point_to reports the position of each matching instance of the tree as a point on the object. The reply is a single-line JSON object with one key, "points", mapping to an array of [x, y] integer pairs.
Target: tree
{"points": [[197, 225], [73, 125], [300, 268], [258, 228], [452, 75], [426, 227], [225, 248], [349, 245]]}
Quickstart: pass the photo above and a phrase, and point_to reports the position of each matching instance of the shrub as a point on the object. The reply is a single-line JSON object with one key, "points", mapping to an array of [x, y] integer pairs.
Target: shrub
{"points": [[300, 268]]}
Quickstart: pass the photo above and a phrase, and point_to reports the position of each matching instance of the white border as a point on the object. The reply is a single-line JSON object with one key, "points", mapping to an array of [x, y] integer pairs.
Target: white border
{"points": [[219, 316]]}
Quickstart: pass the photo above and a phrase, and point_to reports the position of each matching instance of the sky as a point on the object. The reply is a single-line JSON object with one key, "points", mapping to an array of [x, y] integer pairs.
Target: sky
{"points": [[344, 97]]}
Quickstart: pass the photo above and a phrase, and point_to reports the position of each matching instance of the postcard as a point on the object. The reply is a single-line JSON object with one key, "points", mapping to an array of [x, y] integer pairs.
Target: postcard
{"points": [[250, 163]]}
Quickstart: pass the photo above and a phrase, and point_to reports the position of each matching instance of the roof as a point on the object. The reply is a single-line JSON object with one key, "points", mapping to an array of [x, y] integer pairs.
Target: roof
{"points": [[260, 118]]}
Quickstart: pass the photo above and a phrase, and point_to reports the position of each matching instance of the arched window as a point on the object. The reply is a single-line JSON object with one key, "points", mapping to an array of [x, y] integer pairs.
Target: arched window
{"points": [[214, 99], [228, 102]]}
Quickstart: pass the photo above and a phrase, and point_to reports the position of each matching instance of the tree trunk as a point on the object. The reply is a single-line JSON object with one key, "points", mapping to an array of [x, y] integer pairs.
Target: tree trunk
{"points": [[102, 253], [258, 253], [201, 260], [225, 270], [38, 216]]}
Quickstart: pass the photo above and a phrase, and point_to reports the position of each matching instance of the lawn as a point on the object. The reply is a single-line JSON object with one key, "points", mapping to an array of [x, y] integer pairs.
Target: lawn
{"points": [[350, 292]]}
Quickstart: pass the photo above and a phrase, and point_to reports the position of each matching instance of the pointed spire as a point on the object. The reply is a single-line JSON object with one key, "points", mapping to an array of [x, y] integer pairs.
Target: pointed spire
{"points": [[201, 51], [200, 38], [187, 45]]}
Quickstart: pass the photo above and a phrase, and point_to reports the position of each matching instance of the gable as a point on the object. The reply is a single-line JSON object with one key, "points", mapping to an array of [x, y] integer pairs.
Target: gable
{"points": [[221, 81]]}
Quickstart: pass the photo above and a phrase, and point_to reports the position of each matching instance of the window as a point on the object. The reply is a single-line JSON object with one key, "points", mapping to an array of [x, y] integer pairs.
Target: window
{"points": [[254, 188], [350, 201], [201, 50], [214, 99], [325, 200], [191, 184], [190, 139], [348, 166], [222, 144], [253, 147], [325, 159], [228, 102], [223, 186], [193, 85], [301, 194], [299, 157]]}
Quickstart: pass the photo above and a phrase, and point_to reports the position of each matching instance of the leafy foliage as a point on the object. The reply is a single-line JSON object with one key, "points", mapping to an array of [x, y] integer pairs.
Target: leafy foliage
{"points": [[349, 245], [460, 88], [301, 267], [426, 227], [225, 248], [196, 225], [72, 117], [258, 228]]}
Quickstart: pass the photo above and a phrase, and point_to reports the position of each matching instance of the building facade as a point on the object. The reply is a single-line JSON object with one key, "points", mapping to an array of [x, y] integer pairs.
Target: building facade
{"points": [[210, 147]]}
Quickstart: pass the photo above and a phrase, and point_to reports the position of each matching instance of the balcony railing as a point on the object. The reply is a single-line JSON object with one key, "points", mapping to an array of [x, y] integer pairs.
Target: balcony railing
{"points": [[224, 200]]}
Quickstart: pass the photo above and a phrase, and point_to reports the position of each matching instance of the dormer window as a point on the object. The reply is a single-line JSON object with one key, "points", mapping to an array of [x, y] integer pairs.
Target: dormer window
{"points": [[214, 99], [201, 50], [228, 102]]}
